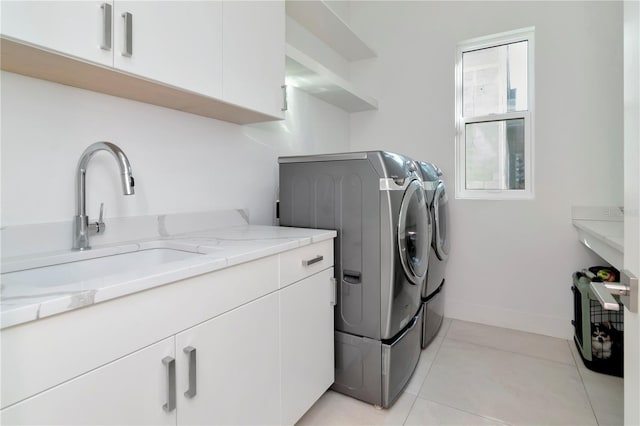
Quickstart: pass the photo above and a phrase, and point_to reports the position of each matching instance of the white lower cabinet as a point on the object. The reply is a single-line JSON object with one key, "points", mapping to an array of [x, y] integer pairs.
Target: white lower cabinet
{"points": [[131, 390], [306, 327], [237, 378], [264, 362]]}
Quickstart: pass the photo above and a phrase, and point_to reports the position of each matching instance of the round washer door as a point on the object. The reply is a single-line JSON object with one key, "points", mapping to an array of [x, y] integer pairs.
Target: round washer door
{"points": [[441, 222], [414, 233]]}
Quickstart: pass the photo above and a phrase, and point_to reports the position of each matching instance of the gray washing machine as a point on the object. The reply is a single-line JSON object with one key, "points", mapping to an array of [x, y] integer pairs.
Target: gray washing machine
{"points": [[375, 200], [433, 289]]}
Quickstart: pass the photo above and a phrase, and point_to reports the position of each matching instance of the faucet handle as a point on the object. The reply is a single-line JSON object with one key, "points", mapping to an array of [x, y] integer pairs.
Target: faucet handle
{"points": [[98, 227], [101, 213]]}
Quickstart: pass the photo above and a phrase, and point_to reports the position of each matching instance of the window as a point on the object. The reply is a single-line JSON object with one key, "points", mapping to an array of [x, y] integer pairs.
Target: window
{"points": [[494, 117]]}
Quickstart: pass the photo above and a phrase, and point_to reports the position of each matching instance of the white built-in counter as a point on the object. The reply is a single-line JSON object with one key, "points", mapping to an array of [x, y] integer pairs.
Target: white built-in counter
{"points": [[234, 326], [602, 230], [22, 301]]}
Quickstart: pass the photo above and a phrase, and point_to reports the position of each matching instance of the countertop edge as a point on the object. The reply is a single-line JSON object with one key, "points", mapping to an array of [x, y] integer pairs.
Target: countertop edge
{"points": [[200, 242]]}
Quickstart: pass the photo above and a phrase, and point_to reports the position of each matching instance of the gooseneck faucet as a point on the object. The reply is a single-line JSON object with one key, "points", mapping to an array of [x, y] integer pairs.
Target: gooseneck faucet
{"points": [[81, 226]]}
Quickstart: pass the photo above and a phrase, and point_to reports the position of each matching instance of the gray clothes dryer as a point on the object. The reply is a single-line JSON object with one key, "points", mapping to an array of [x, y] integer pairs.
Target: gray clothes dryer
{"points": [[375, 200], [433, 289]]}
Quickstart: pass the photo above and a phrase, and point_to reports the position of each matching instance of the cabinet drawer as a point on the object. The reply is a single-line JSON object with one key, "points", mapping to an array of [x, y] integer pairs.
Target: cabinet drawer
{"points": [[303, 262]]}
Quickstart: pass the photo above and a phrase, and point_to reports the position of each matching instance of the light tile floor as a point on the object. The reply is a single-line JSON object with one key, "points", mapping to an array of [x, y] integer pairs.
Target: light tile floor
{"points": [[473, 374]]}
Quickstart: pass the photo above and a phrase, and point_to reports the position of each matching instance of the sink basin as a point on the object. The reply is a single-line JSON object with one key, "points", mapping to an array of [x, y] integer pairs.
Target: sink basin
{"points": [[92, 269]]}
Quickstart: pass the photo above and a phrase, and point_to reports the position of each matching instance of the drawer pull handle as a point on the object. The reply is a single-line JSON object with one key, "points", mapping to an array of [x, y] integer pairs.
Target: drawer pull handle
{"points": [[170, 363], [309, 262], [191, 392]]}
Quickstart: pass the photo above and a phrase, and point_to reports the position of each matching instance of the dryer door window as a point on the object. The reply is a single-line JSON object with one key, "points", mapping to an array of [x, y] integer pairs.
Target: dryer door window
{"points": [[441, 212], [414, 233]]}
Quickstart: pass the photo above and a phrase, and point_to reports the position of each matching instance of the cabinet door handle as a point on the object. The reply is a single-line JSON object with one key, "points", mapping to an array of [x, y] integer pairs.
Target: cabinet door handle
{"points": [[316, 259], [334, 291], [285, 104], [128, 34], [191, 352], [105, 43], [170, 363]]}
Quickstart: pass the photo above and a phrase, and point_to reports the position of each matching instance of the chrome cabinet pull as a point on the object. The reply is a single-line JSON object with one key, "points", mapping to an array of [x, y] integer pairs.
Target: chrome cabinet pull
{"points": [[128, 34], [334, 292], [316, 259], [285, 104], [191, 392], [170, 363], [105, 44]]}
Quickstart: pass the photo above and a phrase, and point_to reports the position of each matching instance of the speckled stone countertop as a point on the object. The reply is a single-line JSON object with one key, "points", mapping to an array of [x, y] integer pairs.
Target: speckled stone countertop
{"points": [[31, 287]]}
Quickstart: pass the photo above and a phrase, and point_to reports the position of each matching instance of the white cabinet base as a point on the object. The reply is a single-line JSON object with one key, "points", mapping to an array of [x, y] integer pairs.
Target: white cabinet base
{"points": [[238, 368], [118, 393], [306, 324]]}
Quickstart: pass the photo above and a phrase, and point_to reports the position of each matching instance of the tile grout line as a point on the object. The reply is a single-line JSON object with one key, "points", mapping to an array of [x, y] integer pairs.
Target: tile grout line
{"points": [[593, 410], [439, 403], [404, 422], [427, 374], [493, 419], [516, 353]]}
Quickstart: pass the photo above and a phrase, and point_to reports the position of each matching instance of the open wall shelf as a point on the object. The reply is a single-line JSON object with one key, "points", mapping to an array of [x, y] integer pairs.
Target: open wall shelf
{"points": [[320, 20], [306, 74]]}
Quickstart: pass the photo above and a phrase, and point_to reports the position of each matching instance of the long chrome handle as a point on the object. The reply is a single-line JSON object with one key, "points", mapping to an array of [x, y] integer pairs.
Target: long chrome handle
{"points": [[170, 363], [626, 289], [191, 392], [285, 104], [604, 297], [105, 43], [128, 34], [334, 291], [316, 259]]}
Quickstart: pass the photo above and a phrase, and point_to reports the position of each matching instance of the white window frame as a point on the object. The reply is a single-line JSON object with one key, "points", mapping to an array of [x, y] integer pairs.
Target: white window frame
{"points": [[525, 34]]}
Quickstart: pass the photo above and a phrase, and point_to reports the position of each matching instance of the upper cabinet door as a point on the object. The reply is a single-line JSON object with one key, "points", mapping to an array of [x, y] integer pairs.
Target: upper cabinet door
{"points": [[254, 49], [174, 42], [76, 28]]}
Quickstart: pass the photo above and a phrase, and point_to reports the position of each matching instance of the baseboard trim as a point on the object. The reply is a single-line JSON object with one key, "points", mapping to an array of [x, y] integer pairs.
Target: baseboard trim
{"points": [[554, 326]]}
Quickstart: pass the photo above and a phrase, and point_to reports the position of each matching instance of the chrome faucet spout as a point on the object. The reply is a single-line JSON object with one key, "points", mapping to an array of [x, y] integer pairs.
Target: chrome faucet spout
{"points": [[82, 228]]}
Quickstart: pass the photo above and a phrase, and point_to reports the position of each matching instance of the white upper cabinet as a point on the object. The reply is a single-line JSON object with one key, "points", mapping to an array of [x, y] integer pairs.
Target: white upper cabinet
{"points": [[223, 60], [253, 62], [77, 28], [177, 43]]}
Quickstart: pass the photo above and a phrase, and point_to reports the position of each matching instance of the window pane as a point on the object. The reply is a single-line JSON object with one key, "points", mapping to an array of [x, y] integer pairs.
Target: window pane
{"points": [[495, 155], [494, 80]]}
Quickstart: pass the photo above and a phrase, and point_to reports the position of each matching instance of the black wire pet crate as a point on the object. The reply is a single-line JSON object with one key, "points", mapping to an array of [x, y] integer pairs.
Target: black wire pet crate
{"points": [[597, 328]]}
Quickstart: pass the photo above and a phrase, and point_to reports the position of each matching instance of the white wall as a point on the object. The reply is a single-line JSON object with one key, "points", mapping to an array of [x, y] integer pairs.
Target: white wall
{"points": [[511, 261], [181, 162]]}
